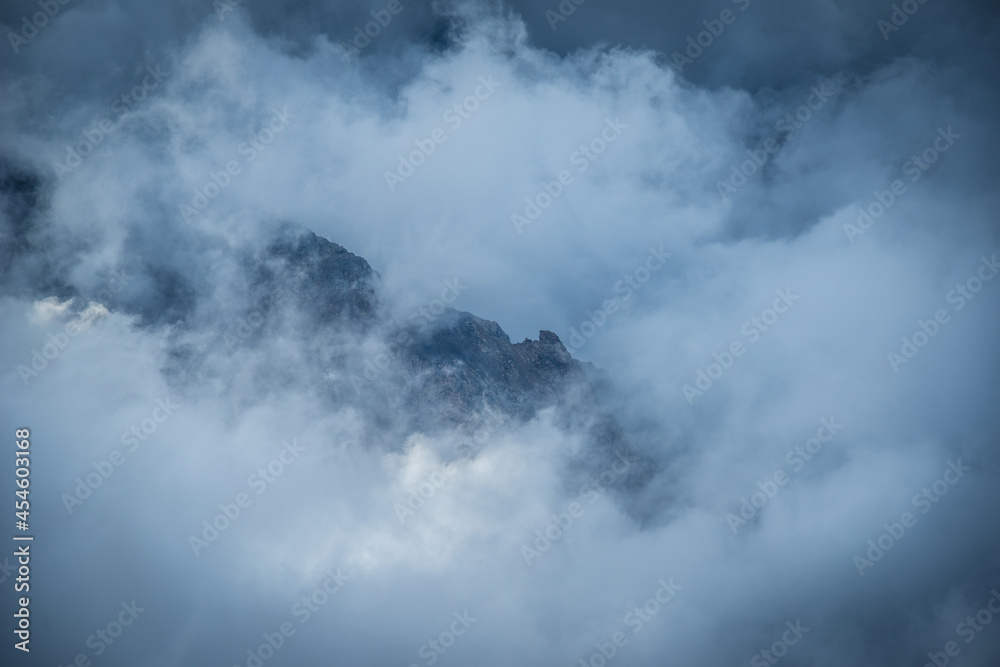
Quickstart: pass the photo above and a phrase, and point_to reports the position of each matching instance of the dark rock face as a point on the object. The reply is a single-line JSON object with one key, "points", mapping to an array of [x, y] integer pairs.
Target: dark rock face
{"points": [[336, 286], [460, 375], [442, 376], [22, 201], [313, 309], [468, 362]]}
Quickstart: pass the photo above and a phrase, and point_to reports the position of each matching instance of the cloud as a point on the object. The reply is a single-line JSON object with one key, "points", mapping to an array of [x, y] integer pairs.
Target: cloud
{"points": [[487, 118]]}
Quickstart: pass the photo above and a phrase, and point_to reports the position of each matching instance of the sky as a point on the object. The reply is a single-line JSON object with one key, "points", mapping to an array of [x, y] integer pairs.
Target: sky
{"points": [[771, 226]]}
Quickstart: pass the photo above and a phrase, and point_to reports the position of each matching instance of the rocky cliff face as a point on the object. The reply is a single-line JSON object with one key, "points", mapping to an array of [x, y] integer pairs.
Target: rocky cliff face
{"points": [[458, 374], [458, 364], [335, 286], [300, 312]]}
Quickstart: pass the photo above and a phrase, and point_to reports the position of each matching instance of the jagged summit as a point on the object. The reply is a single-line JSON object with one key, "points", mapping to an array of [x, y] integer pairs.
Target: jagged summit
{"points": [[447, 375], [321, 276]]}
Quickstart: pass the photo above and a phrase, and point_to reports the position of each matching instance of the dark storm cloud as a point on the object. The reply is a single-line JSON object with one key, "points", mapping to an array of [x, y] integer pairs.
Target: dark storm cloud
{"points": [[767, 44], [785, 264]]}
